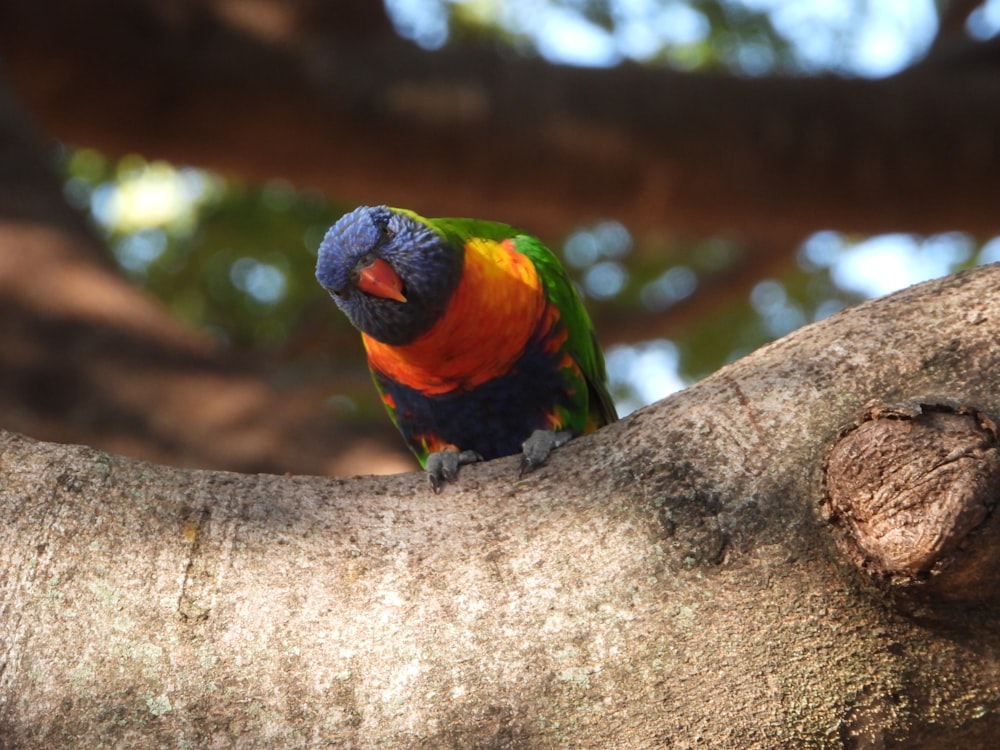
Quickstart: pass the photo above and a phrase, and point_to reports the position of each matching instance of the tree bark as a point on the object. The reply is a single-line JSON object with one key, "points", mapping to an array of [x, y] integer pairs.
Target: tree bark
{"points": [[671, 581]]}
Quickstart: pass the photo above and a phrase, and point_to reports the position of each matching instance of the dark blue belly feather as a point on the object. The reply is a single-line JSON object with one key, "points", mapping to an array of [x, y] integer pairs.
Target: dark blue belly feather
{"points": [[494, 418]]}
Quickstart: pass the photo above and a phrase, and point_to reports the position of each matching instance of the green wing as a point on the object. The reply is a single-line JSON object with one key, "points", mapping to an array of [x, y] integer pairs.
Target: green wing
{"points": [[582, 342]]}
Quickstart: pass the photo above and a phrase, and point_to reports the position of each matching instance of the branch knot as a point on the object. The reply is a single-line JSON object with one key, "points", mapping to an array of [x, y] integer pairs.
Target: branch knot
{"points": [[908, 483]]}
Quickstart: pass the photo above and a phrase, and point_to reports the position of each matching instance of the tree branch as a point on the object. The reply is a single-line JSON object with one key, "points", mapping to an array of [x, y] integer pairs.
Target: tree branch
{"points": [[474, 132], [668, 580]]}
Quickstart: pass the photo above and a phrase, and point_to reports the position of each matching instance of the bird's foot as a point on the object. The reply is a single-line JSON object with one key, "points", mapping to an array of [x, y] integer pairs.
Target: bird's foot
{"points": [[442, 466], [537, 448]]}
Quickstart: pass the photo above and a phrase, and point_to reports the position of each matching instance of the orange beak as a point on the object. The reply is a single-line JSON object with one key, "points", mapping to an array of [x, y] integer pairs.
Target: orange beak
{"points": [[379, 280]]}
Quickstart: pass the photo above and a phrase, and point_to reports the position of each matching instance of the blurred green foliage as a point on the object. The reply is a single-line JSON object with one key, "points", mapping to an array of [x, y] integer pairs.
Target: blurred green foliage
{"points": [[233, 259], [684, 34], [238, 260], [743, 37]]}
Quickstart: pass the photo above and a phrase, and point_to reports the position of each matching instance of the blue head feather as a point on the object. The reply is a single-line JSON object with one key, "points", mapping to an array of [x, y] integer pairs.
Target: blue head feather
{"points": [[429, 265]]}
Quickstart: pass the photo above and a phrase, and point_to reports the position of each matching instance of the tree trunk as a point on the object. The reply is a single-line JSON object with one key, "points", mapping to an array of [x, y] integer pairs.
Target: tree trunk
{"points": [[679, 579]]}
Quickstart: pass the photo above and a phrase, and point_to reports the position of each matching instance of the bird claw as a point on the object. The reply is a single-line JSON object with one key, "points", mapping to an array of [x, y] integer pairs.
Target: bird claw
{"points": [[442, 466], [537, 448]]}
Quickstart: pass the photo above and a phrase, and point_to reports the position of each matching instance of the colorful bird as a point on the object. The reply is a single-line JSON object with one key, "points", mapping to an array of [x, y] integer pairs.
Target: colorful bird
{"points": [[477, 340]]}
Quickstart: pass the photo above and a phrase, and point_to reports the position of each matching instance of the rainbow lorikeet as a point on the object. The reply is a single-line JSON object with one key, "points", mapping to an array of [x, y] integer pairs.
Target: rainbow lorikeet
{"points": [[477, 341]]}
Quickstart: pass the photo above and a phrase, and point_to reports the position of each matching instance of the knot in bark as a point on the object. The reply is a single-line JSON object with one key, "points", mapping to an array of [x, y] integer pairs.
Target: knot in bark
{"points": [[909, 483]]}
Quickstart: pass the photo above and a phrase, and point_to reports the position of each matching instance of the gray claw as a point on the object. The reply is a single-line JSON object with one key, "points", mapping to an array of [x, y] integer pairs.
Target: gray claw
{"points": [[442, 466], [537, 448]]}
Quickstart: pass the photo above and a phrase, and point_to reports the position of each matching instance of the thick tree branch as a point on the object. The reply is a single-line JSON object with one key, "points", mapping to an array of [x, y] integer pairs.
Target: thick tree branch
{"points": [[473, 132], [667, 581]]}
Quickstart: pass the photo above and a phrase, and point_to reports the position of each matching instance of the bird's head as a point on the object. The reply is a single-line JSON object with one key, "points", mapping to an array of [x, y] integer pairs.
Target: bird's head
{"points": [[389, 271]]}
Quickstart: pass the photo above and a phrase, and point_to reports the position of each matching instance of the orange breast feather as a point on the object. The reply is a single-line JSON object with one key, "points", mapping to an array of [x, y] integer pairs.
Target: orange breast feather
{"points": [[493, 313]]}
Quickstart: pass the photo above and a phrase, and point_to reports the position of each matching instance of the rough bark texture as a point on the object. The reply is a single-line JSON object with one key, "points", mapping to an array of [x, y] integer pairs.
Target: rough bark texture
{"points": [[667, 582], [910, 483]]}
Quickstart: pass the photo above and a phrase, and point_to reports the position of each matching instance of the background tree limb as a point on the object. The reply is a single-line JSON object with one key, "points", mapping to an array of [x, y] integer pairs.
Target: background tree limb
{"points": [[341, 103], [88, 357]]}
